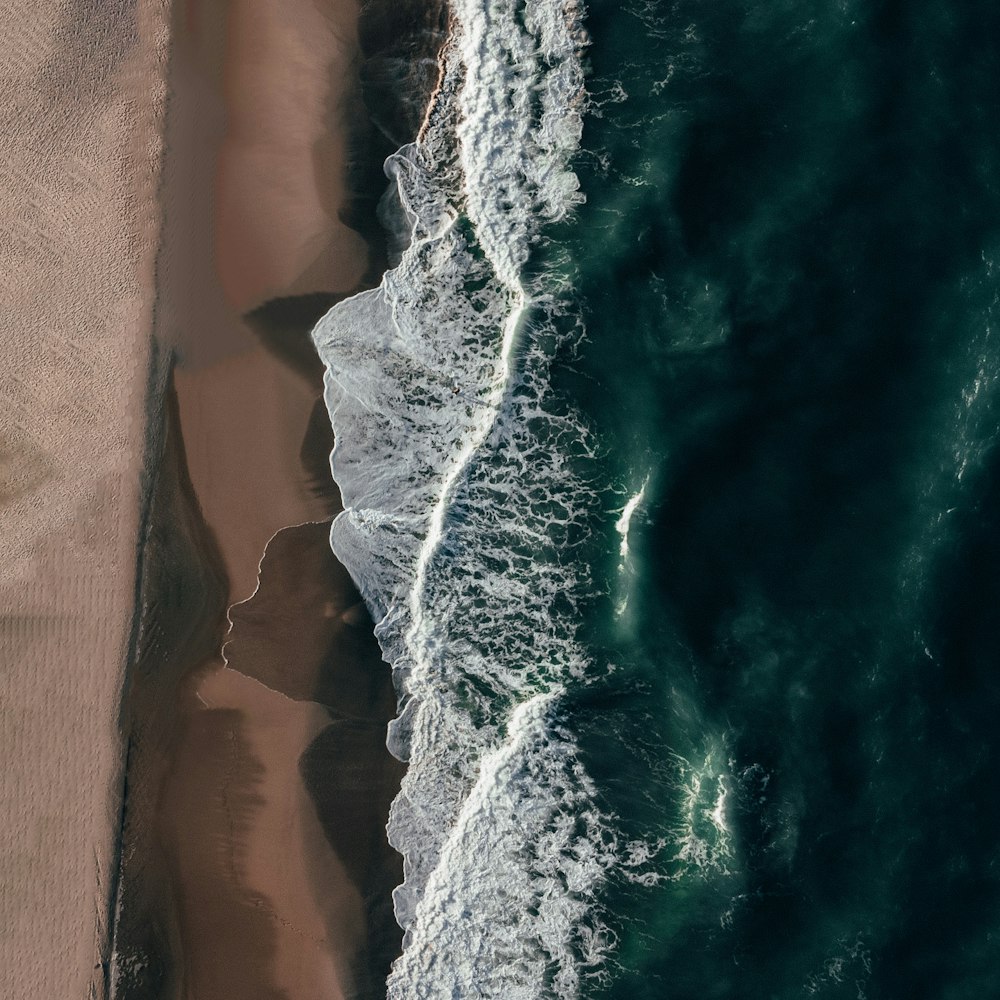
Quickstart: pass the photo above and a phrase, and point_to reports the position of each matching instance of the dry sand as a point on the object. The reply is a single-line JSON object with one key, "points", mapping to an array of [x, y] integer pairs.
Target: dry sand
{"points": [[81, 94]]}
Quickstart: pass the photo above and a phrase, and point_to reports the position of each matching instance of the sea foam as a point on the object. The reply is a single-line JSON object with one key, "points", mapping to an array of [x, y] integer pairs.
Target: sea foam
{"points": [[462, 512]]}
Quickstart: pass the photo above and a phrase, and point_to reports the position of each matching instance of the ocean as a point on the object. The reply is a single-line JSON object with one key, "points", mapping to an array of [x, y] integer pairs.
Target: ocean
{"points": [[668, 454]]}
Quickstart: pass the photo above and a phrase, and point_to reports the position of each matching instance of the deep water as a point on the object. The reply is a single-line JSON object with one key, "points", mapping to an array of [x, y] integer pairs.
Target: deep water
{"points": [[787, 271]]}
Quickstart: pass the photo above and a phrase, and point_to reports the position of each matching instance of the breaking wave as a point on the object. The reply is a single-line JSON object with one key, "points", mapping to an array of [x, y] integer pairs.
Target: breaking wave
{"points": [[463, 515]]}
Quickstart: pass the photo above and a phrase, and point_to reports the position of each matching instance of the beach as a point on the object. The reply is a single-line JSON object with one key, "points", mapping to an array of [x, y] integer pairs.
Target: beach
{"points": [[195, 185], [499, 500], [84, 97], [251, 874]]}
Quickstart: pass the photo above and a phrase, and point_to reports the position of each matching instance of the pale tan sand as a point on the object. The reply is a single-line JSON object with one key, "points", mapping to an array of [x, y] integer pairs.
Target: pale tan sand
{"points": [[81, 97]]}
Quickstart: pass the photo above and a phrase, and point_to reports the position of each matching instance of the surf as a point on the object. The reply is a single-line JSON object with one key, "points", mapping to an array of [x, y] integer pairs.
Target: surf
{"points": [[463, 515]]}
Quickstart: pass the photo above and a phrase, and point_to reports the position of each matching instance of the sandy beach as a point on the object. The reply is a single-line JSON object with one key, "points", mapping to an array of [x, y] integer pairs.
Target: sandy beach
{"points": [[83, 95], [190, 187]]}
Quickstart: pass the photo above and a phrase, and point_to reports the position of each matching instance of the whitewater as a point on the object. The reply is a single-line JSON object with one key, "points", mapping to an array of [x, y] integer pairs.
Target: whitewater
{"points": [[464, 511]]}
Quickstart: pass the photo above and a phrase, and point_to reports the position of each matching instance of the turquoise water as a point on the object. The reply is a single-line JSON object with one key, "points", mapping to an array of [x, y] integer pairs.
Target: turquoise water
{"points": [[786, 270]]}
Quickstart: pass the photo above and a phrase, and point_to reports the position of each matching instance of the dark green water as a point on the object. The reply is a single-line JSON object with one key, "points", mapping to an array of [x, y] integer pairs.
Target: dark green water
{"points": [[787, 268]]}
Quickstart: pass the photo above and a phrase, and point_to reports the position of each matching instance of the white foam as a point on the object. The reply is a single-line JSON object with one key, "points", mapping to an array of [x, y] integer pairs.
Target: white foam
{"points": [[702, 839], [521, 104], [624, 522], [461, 506], [504, 913]]}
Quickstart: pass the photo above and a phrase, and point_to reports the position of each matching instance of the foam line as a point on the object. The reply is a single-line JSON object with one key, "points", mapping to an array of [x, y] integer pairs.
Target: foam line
{"points": [[461, 501]]}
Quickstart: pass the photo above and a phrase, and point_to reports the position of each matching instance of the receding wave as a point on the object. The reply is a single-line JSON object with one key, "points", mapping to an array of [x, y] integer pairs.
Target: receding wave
{"points": [[462, 513]]}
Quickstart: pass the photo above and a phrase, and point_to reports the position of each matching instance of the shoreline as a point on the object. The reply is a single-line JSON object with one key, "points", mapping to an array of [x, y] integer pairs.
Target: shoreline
{"points": [[164, 477], [256, 858]]}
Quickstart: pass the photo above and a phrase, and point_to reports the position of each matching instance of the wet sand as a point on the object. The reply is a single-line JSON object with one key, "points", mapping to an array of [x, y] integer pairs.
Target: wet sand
{"points": [[257, 864], [275, 802], [82, 94]]}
